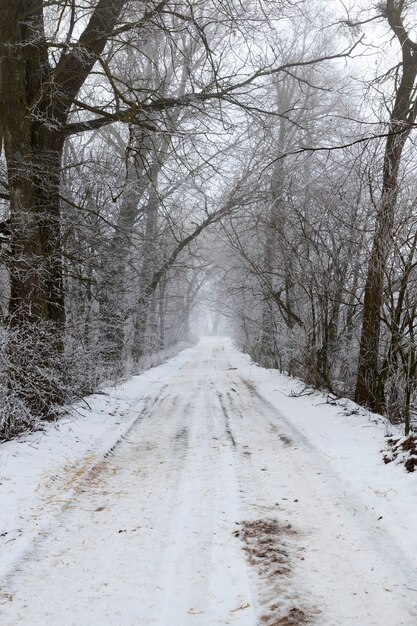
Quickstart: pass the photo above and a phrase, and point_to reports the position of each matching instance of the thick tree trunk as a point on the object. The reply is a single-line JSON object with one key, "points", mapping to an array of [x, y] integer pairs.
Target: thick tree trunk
{"points": [[36, 258]]}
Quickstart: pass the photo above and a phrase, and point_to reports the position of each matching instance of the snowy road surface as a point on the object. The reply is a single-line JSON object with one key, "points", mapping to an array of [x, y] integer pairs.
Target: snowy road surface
{"points": [[228, 502]]}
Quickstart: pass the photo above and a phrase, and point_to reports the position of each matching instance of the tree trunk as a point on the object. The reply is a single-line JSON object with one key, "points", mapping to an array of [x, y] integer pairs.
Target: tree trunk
{"points": [[148, 268], [368, 389]]}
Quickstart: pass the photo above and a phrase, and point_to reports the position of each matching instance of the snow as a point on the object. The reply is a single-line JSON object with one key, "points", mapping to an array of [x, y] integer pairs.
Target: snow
{"points": [[202, 492], [34, 468]]}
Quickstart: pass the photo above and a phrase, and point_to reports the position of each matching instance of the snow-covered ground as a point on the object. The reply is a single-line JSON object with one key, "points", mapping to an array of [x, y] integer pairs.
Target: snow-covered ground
{"points": [[202, 492]]}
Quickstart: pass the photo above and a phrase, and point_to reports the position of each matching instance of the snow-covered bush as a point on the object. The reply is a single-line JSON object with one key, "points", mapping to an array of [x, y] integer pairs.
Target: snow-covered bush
{"points": [[38, 375], [33, 377]]}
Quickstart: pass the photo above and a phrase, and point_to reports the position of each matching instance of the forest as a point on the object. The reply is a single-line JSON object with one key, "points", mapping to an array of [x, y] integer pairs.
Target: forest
{"points": [[250, 158]]}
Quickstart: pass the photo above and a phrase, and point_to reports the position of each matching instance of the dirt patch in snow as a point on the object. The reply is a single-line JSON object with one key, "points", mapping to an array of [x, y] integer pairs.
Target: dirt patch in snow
{"points": [[295, 617], [402, 450], [271, 547]]}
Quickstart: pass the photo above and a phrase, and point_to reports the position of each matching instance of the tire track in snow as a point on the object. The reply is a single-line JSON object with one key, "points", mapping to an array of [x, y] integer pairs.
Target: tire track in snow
{"points": [[151, 540], [92, 485], [272, 545], [62, 490], [227, 420], [328, 499]]}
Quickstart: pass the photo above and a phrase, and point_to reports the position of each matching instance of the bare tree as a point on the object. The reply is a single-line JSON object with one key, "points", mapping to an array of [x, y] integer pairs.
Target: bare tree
{"points": [[369, 390]]}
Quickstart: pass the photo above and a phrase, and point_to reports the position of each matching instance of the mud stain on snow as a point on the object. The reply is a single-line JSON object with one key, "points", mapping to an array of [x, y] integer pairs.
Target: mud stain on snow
{"points": [[271, 548], [60, 492], [295, 617]]}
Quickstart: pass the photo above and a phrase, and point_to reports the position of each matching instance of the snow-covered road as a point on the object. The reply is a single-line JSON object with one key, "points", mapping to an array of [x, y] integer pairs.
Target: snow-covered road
{"points": [[228, 502]]}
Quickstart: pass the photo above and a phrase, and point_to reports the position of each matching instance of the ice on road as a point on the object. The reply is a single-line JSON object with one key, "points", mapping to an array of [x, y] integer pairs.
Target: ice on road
{"points": [[227, 502]]}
